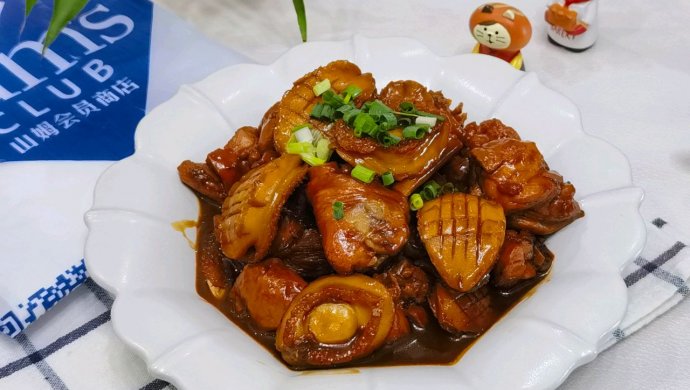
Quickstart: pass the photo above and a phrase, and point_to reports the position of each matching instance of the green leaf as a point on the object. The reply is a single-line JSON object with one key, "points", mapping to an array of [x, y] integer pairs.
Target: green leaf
{"points": [[63, 12], [29, 6], [301, 18]]}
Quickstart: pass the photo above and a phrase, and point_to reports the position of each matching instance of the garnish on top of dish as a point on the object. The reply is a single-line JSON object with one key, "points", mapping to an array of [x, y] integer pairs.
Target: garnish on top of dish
{"points": [[364, 227]]}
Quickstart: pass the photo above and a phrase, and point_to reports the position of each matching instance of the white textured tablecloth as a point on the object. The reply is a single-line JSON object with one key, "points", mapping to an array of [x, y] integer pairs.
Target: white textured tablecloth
{"points": [[631, 88]]}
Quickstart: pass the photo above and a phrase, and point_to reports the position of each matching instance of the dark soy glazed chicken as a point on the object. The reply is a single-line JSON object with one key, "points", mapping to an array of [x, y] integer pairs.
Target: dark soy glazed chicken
{"points": [[333, 248]]}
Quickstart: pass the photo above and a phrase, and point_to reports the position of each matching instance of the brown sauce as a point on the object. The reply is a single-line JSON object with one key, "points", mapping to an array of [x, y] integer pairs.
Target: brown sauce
{"points": [[431, 345]]}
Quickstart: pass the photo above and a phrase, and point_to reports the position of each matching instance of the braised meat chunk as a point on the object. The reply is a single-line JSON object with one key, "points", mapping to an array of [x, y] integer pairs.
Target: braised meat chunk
{"points": [[514, 174], [462, 234], [202, 179], [265, 290], [522, 258], [458, 313], [298, 241], [476, 135], [225, 166], [374, 225], [551, 216], [406, 282]]}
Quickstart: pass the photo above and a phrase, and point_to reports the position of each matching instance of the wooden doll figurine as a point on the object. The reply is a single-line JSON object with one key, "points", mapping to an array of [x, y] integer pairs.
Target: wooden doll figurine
{"points": [[501, 31]]}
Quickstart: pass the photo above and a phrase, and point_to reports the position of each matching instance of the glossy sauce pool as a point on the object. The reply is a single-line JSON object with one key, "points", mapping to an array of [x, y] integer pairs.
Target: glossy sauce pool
{"points": [[431, 345]]}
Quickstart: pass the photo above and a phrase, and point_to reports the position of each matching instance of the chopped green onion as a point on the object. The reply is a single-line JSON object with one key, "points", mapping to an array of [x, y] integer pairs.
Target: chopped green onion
{"points": [[425, 120], [415, 131], [345, 108], [416, 202], [304, 135], [404, 122], [351, 92], [338, 210], [327, 112], [317, 110], [387, 139], [431, 190], [407, 107], [321, 87], [387, 178], [448, 188], [389, 121], [323, 150], [364, 123], [311, 159], [332, 99], [350, 115], [299, 147], [363, 173], [300, 126]]}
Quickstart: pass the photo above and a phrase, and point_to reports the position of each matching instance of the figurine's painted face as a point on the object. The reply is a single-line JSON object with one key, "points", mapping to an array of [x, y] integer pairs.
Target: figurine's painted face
{"points": [[499, 26], [492, 35]]}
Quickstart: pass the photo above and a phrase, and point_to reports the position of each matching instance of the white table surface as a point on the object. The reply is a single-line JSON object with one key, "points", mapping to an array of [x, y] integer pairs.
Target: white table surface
{"points": [[631, 88]]}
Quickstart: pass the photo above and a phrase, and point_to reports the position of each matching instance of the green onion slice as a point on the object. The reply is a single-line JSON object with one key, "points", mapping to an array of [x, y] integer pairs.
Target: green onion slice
{"points": [[311, 159], [425, 120], [304, 135], [448, 188], [387, 178], [416, 202], [338, 210], [299, 147], [415, 131], [351, 92], [363, 173], [321, 87], [431, 190], [323, 150]]}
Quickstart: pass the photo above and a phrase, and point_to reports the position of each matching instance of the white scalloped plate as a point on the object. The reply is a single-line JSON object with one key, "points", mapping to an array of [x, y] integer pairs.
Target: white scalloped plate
{"points": [[134, 253]]}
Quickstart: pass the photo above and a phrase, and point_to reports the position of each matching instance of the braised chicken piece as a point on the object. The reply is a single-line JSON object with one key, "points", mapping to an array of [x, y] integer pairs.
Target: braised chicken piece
{"points": [[406, 282], [551, 216], [462, 234], [457, 174], [521, 258], [265, 290], [408, 286], [411, 161], [458, 313], [202, 179], [295, 107], [298, 241], [335, 320], [417, 316], [400, 326], [249, 218], [476, 135], [514, 174], [238, 156], [225, 166], [374, 224]]}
